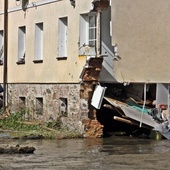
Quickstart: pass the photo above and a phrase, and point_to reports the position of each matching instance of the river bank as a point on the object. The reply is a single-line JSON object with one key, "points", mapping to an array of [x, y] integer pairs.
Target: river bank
{"points": [[38, 134], [15, 126]]}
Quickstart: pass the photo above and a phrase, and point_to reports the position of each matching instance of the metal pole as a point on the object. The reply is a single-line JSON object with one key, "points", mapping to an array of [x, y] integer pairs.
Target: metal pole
{"points": [[5, 52], [169, 105]]}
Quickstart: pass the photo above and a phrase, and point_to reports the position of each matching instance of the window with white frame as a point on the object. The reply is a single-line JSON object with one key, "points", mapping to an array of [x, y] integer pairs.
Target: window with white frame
{"points": [[62, 37], [92, 30], [21, 44], [87, 37], [38, 42], [1, 46]]}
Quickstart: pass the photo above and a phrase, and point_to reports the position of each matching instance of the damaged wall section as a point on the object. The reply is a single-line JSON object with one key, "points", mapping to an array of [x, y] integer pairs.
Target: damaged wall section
{"points": [[89, 78], [124, 108], [100, 5]]}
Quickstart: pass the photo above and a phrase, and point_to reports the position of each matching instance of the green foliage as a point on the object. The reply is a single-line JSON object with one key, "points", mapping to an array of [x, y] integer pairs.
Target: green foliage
{"points": [[14, 122], [71, 135], [50, 130], [54, 124]]}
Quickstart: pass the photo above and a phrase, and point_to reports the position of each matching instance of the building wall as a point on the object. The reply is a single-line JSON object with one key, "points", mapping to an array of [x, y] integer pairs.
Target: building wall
{"points": [[1, 29], [48, 12], [43, 88], [58, 101], [141, 31], [107, 50]]}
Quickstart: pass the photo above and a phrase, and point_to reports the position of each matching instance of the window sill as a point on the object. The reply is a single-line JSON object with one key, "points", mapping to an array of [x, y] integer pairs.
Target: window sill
{"points": [[38, 61], [61, 58], [20, 62]]}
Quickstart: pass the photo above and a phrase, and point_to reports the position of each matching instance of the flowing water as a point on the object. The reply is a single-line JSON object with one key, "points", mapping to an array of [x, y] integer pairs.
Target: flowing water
{"points": [[89, 154]]}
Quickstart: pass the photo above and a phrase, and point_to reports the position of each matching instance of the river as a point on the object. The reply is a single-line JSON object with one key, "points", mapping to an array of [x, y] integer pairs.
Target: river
{"points": [[117, 153]]}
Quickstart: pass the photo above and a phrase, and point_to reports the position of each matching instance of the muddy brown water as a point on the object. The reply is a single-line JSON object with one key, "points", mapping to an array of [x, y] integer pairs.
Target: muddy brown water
{"points": [[117, 153]]}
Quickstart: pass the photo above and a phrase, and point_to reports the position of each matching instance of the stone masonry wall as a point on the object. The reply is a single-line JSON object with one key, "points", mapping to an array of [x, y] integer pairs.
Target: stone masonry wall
{"points": [[47, 102]]}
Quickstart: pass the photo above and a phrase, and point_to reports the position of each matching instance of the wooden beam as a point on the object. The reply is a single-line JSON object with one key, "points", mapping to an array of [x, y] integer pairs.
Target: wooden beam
{"points": [[131, 122]]}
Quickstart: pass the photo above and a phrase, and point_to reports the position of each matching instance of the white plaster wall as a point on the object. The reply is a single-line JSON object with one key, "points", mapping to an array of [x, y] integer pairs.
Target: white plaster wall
{"points": [[141, 30], [51, 70]]}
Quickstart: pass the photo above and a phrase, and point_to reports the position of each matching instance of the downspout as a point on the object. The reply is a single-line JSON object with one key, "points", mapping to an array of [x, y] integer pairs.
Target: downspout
{"points": [[98, 42], [5, 52], [169, 106]]}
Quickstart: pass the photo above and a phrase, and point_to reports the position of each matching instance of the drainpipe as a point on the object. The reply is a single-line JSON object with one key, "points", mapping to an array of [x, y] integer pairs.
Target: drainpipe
{"points": [[98, 42], [5, 52], [169, 106]]}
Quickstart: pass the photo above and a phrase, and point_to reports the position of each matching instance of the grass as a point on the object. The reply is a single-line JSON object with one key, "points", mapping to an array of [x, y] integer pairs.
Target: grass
{"points": [[17, 127]]}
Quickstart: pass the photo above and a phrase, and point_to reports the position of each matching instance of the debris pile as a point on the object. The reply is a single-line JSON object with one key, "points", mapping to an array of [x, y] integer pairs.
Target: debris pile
{"points": [[93, 129], [136, 106], [17, 150]]}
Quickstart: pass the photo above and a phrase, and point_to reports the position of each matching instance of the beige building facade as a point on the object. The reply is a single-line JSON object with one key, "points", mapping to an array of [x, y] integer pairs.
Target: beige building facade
{"points": [[59, 50], [44, 60]]}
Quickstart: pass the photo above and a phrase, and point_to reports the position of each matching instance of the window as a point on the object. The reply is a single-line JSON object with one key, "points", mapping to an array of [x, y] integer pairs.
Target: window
{"points": [[21, 45], [1, 46], [87, 34], [63, 107], [39, 105], [92, 30], [22, 103], [62, 37], [38, 42]]}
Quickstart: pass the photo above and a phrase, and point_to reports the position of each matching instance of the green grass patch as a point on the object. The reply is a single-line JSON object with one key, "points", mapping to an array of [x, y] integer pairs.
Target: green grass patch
{"points": [[17, 127]]}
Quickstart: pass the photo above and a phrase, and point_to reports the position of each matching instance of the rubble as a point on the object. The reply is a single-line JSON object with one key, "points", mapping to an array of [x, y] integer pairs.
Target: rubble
{"points": [[17, 150], [93, 129], [133, 106]]}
